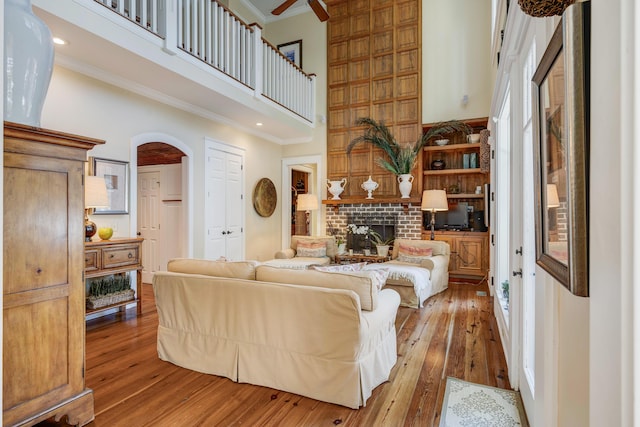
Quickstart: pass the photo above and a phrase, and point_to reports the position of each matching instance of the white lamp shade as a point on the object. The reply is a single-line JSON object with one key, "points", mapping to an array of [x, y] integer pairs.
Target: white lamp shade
{"points": [[553, 201], [307, 202], [95, 192], [434, 200]]}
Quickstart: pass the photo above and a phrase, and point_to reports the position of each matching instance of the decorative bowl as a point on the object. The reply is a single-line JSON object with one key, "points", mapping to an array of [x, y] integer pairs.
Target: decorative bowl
{"points": [[473, 138], [442, 142]]}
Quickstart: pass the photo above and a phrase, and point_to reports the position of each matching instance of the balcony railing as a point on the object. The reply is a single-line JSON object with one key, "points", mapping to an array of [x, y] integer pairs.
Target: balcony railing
{"points": [[210, 32]]}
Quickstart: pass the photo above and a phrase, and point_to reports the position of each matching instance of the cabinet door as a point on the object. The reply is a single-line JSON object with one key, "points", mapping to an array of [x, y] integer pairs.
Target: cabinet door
{"points": [[43, 331], [470, 255], [452, 244]]}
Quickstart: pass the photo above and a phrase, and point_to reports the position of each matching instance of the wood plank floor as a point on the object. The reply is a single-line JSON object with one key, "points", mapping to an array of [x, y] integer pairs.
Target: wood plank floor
{"points": [[455, 334]]}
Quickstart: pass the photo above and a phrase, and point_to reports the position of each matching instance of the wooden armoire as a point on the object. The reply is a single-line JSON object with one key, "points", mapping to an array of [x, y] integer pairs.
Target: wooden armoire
{"points": [[43, 288]]}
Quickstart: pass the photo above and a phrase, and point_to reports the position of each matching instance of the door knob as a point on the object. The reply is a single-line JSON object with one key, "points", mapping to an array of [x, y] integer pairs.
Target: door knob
{"points": [[224, 232], [139, 233]]}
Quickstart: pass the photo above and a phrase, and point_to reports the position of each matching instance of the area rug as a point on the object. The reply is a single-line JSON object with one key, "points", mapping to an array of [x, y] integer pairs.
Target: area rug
{"points": [[469, 404]]}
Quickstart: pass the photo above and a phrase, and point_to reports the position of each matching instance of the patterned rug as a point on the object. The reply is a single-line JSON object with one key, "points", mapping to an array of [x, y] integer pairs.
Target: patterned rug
{"points": [[469, 404]]}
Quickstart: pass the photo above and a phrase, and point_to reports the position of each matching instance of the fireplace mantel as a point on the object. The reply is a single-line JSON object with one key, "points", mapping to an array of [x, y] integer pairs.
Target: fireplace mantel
{"points": [[364, 201]]}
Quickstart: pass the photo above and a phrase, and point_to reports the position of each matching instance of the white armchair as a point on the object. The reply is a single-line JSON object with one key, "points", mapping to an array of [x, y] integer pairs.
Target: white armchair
{"points": [[306, 251]]}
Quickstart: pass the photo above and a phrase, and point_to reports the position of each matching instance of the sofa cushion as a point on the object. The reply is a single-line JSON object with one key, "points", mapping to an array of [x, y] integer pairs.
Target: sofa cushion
{"points": [[363, 283], [330, 241], [233, 269], [311, 249]]}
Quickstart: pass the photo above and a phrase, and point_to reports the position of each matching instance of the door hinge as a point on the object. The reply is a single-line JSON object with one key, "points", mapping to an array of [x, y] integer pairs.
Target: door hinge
{"points": [[493, 243], [519, 251]]}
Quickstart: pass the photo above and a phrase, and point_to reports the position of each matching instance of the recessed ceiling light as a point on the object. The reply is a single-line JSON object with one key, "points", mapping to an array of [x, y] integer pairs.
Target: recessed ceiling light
{"points": [[58, 40], [258, 124]]}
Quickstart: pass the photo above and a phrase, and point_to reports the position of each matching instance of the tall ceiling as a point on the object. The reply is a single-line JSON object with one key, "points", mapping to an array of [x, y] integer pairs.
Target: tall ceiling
{"points": [[264, 7]]}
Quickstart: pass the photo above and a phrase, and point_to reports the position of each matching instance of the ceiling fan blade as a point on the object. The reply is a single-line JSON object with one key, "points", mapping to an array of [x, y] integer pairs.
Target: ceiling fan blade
{"points": [[284, 6], [322, 14]]}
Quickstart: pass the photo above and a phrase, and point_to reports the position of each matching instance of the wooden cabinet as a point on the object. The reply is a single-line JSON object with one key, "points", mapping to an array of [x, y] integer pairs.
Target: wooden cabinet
{"points": [[115, 256], [43, 289], [469, 252]]}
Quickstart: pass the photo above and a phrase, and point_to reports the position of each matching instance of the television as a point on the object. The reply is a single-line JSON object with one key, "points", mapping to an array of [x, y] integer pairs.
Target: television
{"points": [[457, 217]]}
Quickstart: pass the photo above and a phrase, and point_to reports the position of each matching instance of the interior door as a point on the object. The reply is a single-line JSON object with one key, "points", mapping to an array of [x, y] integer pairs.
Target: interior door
{"points": [[224, 222], [149, 221]]}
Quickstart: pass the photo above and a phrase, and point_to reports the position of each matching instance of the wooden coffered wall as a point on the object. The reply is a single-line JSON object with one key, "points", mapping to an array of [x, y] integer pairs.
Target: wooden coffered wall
{"points": [[374, 70]]}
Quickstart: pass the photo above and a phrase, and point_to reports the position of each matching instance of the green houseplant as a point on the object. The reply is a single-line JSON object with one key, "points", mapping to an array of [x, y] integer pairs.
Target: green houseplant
{"points": [[109, 290]]}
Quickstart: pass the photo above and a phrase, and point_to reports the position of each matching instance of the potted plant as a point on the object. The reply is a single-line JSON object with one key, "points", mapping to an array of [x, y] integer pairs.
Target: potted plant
{"points": [[382, 245], [109, 290], [401, 158]]}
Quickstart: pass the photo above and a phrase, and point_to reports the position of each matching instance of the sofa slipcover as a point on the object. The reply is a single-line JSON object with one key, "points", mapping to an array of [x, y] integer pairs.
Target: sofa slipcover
{"points": [[309, 340]]}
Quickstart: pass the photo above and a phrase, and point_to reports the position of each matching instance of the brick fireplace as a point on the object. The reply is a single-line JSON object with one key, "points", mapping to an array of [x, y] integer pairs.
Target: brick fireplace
{"points": [[386, 217]]}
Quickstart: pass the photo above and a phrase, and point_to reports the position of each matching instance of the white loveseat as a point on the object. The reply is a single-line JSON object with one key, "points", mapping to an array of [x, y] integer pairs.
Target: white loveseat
{"points": [[327, 336]]}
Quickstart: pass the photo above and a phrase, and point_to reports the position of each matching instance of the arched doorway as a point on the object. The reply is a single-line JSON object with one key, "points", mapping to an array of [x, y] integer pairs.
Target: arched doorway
{"points": [[162, 200]]}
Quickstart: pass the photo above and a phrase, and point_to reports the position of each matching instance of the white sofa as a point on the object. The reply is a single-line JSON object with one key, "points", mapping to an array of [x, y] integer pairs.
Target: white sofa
{"points": [[416, 281], [327, 336], [291, 258]]}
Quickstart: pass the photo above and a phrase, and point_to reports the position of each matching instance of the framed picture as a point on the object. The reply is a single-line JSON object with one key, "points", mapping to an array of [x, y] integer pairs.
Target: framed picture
{"points": [[116, 176], [292, 51], [561, 124]]}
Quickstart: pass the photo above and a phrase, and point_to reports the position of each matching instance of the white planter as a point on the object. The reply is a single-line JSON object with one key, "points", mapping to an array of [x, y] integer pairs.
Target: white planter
{"points": [[383, 250], [28, 63], [342, 248], [406, 182]]}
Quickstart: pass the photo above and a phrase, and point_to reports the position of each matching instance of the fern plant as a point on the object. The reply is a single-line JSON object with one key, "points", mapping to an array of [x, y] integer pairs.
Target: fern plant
{"points": [[401, 158]]}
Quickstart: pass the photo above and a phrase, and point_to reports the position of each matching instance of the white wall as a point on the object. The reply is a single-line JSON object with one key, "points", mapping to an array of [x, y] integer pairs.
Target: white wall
{"points": [[314, 60], [456, 59], [81, 105], [614, 215]]}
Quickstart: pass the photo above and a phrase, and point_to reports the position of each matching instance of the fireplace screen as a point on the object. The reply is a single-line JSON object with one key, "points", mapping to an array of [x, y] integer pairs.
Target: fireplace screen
{"points": [[385, 225]]}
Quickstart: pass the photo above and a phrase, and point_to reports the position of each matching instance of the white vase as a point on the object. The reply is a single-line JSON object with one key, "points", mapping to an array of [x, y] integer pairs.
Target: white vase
{"points": [[336, 188], [28, 63], [369, 186], [406, 182]]}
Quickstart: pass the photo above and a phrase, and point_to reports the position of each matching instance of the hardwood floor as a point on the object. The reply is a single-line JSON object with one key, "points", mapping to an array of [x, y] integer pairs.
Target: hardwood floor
{"points": [[455, 334]]}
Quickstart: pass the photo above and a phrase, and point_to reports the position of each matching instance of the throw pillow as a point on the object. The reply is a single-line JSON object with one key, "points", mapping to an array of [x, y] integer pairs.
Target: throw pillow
{"points": [[413, 254], [346, 267], [311, 249]]}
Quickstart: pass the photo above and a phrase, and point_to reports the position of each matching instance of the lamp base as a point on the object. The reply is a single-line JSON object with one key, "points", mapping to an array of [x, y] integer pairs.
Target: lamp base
{"points": [[89, 229], [433, 224]]}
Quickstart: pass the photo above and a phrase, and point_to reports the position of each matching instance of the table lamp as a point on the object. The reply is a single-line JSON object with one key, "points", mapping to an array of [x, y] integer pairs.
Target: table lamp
{"points": [[95, 196], [553, 201], [434, 201], [307, 203]]}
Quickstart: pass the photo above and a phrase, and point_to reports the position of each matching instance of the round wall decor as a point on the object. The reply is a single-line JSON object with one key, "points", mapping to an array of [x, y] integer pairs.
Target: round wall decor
{"points": [[265, 197]]}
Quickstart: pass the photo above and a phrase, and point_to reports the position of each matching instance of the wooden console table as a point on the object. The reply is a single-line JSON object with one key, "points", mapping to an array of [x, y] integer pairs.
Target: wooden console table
{"points": [[104, 257]]}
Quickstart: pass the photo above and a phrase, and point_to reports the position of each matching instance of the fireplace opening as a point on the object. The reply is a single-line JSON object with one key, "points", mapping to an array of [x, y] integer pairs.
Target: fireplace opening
{"points": [[385, 225]]}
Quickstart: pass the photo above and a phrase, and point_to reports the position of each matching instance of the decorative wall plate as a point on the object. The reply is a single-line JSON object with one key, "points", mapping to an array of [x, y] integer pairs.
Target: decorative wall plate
{"points": [[265, 197]]}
